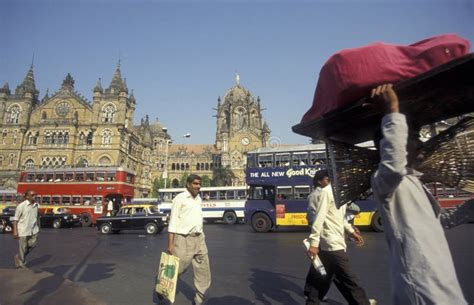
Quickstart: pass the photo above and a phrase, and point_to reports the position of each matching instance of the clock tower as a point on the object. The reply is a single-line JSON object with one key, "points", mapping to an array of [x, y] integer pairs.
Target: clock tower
{"points": [[240, 128]]}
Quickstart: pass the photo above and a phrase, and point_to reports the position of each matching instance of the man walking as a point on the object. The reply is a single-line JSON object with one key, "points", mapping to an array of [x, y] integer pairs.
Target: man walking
{"points": [[327, 240], [422, 268], [186, 237], [26, 227]]}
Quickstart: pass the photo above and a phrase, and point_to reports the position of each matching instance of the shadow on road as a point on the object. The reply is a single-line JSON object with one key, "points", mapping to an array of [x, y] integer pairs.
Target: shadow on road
{"points": [[271, 287]]}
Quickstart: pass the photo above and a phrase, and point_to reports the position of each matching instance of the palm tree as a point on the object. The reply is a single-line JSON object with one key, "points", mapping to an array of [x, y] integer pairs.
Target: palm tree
{"points": [[222, 176]]}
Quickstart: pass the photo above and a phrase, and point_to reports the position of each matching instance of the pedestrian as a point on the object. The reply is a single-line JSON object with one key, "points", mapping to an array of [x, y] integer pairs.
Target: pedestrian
{"points": [[327, 240], [422, 268], [26, 227], [186, 238], [110, 208]]}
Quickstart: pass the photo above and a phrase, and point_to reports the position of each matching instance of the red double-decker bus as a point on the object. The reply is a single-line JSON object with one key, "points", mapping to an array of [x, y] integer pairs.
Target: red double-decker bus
{"points": [[85, 191]]}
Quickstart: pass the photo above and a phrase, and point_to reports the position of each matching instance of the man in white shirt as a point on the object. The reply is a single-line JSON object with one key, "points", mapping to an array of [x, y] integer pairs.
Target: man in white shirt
{"points": [[26, 227], [327, 240], [186, 237]]}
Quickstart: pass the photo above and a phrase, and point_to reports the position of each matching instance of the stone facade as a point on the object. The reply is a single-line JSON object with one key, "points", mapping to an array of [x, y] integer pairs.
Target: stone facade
{"points": [[67, 130]]}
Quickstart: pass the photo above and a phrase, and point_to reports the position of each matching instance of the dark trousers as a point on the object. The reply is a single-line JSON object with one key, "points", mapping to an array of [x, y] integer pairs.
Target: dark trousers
{"points": [[336, 264]]}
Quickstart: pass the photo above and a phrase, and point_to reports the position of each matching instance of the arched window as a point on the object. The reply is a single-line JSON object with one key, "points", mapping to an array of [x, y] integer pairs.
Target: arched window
{"points": [[105, 161], [187, 166], [106, 137], [175, 183], [89, 138], [11, 157], [15, 136], [29, 164], [198, 167], [182, 166], [173, 166], [82, 162], [13, 116], [82, 138], [206, 166], [1, 160], [43, 116], [108, 113]]}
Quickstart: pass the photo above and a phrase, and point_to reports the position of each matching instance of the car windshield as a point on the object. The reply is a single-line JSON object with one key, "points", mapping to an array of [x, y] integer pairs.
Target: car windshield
{"points": [[153, 210]]}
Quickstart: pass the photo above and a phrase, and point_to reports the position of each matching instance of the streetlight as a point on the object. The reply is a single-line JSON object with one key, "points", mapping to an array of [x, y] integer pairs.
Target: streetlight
{"points": [[168, 142]]}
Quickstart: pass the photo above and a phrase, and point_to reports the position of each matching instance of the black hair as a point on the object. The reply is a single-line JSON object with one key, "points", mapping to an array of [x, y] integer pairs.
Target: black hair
{"points": [[319, 175], [193, 177]]}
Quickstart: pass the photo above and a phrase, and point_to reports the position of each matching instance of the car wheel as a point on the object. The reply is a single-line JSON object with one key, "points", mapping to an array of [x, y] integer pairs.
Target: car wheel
{"points": [[57, 223], [151, 228], [106, 228], [3, 225], [230, 218], [261, 222], [8, 228], [376, 223], [86, 220]]}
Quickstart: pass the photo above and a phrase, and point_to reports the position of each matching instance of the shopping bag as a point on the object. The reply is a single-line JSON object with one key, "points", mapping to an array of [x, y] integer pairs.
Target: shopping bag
{"points": [[167, 277]]}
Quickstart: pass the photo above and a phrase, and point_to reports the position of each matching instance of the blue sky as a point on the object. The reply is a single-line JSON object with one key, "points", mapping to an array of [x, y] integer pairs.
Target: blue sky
{"points": [[179, 56]]}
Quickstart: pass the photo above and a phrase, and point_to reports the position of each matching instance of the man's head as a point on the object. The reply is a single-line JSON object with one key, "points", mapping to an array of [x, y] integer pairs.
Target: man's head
{"points": [[321, 178], [193, 184], [30, 195]]}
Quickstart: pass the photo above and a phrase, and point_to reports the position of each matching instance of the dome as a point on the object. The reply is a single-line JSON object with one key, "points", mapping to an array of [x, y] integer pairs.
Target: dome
{"points": [[237, 93]]}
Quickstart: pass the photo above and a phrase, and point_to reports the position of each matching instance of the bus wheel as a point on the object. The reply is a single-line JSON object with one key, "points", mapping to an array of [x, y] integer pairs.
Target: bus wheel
{"points": [[3, 225], [57, 224], [261, 222], [151, 228], [105, 228], [376, 223], [230, 218], [86, 220]]}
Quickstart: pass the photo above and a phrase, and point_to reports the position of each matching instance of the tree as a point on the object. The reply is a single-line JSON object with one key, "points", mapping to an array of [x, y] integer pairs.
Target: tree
{"points": [[182, 180], [222, 176], [158, 183], [205, 180]]}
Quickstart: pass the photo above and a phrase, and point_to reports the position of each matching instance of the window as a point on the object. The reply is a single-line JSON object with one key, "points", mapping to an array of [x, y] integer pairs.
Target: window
{"points": [[13, 115], [29, 164], [30, 177], [241, 194], [110, 177], [11, 157], [317, 158], [80, 176], [282, 159], [302, 192], [230, 195], [265, 160], [284, 193], [86, 200], [56, 200], [15, 136], [89, 176], [76, 200], [299, 159], [222, 195], [89, 138], [106, 137], [4, 136], [100, 176], [98, 200], [108, 113], [67, 200], [68, 176], [45, 200], [1, 160]]}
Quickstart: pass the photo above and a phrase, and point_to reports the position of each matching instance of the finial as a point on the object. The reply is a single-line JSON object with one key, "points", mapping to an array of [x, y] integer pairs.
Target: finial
{"points": [[33, 60], [237, 78]]}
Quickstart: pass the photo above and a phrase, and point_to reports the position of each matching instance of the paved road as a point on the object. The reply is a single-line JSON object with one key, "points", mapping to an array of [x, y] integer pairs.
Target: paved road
{"points": [[247, 268]]}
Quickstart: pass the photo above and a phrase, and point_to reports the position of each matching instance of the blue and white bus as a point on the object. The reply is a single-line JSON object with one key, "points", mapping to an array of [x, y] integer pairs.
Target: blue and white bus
{"points": [[224, 203], [280, 180]]}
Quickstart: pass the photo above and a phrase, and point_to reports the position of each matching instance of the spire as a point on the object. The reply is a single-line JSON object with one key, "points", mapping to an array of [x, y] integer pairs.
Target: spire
{"points": [[46, 96], [28, 85], [5, 89], [68, 83], [237, 78], [116, 85], [98, 86], [132, 98]]}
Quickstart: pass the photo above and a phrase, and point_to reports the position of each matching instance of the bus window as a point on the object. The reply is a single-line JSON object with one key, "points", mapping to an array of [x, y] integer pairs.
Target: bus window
{"points": [[66, 200], [68, 177], [251, 160], [110, 177], [100, 176], [129, 178], [86, 200], [241, 194], [317, 158], [299, 158], [98, 200], [213, 195], [284, 192], [265, 160], [40, 178], [9, 198], [89, 176], [302, 192], [282, 159], [230, 195], [59, 177], [76, 200], [30, 177], [262, 193], [56, 200], [222, 195], [45, 200], [49, 177], [80, 176]]}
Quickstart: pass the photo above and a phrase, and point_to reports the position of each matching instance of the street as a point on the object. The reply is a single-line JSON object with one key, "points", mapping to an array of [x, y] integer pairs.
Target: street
{"points": [[247, 267]]}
